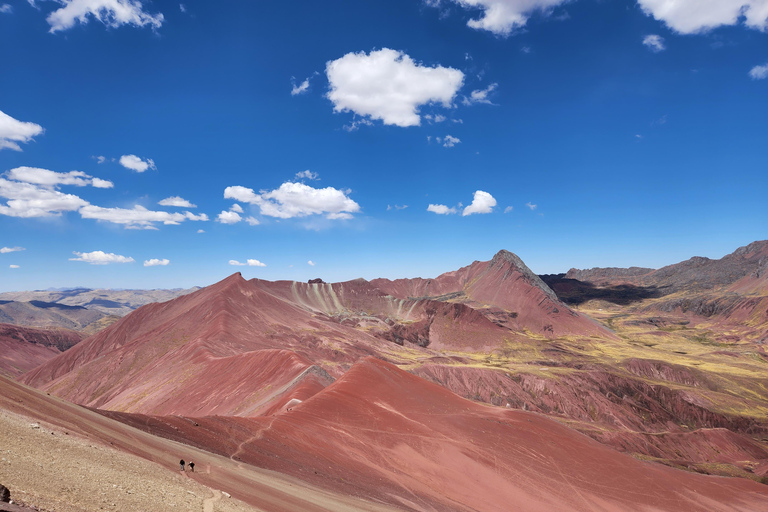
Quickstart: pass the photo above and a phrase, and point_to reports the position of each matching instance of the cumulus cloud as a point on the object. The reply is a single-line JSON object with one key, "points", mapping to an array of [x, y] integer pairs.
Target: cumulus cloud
{"points": [[249, 263], [228, 217], [388, 85], [6, 250], [100, 258], [759, 72], [252, 221], [297, 200], [654, 42], [13, 131], [691, 17], [482, 202], [176, 201], [200, 231], [448, 141], [480, 96], [30, 200], [307, 175], [135, 163], [112, 13], [156, 262], [531, 205], [440, 209], [236, 208], [299, 89], [397, 207], [50, 179], [138, 217], [311, 263], [13, 266], [508, 209], [502, 17]]}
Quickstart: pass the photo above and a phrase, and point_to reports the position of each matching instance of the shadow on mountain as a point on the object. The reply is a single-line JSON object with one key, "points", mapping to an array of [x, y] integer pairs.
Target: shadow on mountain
{"points": [[575, 292]]}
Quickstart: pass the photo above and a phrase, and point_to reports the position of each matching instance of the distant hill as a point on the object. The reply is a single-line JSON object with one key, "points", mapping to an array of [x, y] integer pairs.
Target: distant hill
{"points": [[109, 302], [48, 315], [23, 348]]}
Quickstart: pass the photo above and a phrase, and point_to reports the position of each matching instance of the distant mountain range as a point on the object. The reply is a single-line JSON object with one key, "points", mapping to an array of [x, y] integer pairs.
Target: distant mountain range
{"points": [[109, 302]]}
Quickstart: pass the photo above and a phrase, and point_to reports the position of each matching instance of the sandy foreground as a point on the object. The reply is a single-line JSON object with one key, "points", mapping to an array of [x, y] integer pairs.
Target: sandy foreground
{"points": [[61, 472]]}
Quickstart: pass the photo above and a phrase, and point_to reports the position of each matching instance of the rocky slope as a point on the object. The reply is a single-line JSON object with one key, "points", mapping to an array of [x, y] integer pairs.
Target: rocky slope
{"points": [[23, 348]]}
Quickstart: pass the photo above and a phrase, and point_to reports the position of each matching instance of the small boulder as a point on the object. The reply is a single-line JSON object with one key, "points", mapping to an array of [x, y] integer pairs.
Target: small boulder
{"points": [[5, 494]]}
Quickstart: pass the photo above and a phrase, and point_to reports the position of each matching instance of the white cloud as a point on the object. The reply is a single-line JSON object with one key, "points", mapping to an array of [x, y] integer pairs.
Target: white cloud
{"points": [[100, 258], [504, 16], [655, 43], [255, 263], [13, 266], [6, 9], [200, 231], [154, 262], [228, 217], [13, 131], [299, 89], [440, 209], [311, 263], [297, 200], [112, 13], [307, 175], [182, 8], [531, 205], [388, 85], [482, 202], [176, 201], [508, 209], [759, 72], [397, 207], [29, 200], [236, 208], [480, 96], [695, 16], [252, 221], [99, 159], [135, 163], [50, 179], [448, 141], [138, 217], [6, 250], [236, 263]]}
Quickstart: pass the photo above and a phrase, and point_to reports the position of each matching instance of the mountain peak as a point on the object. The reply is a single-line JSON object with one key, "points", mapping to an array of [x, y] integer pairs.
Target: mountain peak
{"points": [[504, 257]]}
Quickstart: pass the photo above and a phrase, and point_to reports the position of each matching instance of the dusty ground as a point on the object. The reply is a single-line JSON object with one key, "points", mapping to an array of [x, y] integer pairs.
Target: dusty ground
{"points": [[54, 471]]}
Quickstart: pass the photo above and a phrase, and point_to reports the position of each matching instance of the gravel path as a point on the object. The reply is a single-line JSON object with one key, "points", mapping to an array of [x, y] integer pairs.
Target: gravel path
{"points": [[62, 472]]}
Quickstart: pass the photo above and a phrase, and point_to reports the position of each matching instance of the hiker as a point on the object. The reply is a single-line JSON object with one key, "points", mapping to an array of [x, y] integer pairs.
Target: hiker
{"points": [[181, 463], [192, 466]]}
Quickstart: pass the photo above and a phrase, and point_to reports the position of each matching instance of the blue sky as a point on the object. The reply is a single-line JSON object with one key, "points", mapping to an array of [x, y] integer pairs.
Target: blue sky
{"points": [[159, 144]]}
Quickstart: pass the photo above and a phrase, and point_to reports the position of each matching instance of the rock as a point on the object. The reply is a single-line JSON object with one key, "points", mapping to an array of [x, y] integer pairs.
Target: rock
{"points": [[226, 494], [5, 494]]}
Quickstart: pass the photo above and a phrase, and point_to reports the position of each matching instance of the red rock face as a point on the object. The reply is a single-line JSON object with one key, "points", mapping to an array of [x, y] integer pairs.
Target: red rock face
{"points": [[24, 348]]}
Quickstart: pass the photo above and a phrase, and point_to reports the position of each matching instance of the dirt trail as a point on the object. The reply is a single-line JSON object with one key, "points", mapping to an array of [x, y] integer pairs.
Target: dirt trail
{"points": [[208, 502]]}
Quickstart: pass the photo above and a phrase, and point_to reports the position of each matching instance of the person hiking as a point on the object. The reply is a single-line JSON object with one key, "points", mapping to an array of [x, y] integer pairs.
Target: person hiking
{"points": [[192, 466], [181, 463]]}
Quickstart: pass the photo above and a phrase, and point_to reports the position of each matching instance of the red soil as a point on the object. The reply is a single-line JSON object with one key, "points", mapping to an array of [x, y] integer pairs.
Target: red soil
{"points": [[24, 348], [384, 434]]}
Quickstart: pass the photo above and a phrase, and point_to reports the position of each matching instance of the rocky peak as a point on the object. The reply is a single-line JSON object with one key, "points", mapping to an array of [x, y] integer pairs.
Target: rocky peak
{"points": [[512, 260]]}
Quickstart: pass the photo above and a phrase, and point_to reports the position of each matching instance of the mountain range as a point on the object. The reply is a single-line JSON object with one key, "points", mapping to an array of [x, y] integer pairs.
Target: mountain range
{"points": [[484, 386]]}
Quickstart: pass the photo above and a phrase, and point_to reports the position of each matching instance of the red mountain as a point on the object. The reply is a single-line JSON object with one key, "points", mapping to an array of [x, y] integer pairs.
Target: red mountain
{"points": [[24, 348], [504, 290], [383, 434]]}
